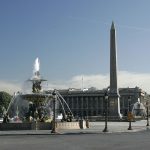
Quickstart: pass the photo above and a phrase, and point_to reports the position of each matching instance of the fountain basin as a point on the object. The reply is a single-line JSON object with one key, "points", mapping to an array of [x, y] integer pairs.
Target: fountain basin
{"points": [[25, 126], [40, 126]]}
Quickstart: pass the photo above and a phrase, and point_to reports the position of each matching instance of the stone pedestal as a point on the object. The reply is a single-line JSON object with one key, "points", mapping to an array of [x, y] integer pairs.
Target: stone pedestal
{"points": [[114, 107]]}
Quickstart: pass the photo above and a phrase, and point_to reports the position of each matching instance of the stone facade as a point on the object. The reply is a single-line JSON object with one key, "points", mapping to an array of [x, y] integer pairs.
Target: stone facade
{"points": [[91, 103]]}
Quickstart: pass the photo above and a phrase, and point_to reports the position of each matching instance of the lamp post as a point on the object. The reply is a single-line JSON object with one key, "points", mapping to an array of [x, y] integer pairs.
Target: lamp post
{"points": [[54, 113], [106, 111], [129, 113], [147, 111]]}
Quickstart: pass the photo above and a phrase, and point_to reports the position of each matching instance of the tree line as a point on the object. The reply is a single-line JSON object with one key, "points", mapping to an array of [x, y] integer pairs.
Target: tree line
{"points": [[5, 99]]}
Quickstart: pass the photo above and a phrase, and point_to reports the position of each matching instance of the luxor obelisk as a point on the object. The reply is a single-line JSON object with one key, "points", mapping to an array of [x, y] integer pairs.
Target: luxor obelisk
{"points": [[114, 100]]}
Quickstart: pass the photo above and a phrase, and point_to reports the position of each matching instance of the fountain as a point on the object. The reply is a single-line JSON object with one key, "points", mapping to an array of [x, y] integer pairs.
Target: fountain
{"points": [[31, 106], [139, 110], [35, 110]]}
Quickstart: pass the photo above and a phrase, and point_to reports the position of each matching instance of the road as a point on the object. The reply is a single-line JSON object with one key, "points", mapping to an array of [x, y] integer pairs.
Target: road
{"points": [[113, 141], [80, 140]]}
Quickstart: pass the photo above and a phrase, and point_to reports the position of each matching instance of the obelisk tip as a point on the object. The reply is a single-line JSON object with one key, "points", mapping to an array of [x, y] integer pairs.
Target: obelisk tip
{"points": [[112, 25]]}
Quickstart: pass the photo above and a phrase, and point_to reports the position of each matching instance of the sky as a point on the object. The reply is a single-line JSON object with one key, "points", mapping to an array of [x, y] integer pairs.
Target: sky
{"points": [[71, 38]]}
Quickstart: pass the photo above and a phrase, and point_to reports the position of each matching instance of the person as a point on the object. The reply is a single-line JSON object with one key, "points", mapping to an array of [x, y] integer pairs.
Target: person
{"points": [[42, 119], [6, 118], [69, 117]]}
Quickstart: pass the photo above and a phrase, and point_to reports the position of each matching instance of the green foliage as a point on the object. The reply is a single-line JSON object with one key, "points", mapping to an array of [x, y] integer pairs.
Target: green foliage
{"points": [[5, 99]]}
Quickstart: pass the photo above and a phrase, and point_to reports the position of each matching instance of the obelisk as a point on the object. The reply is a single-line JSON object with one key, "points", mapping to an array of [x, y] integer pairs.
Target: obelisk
{"points": [[114, 101]]}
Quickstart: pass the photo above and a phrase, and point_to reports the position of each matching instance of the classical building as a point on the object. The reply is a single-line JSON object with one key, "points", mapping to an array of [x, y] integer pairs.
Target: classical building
{"points": [[91, 103]]}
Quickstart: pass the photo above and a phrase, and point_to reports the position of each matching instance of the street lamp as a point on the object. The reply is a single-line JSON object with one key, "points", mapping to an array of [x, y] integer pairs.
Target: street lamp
{"points": [[106, 111], [54, 113], [129, 113], [147, 110]]}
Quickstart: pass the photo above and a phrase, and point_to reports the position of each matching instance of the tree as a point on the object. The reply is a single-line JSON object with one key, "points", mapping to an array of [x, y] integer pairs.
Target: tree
{"points": [[5, 99]]}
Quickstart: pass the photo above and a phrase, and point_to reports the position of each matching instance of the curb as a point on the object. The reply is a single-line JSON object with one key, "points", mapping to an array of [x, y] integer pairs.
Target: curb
{"points": [[71, 133]]}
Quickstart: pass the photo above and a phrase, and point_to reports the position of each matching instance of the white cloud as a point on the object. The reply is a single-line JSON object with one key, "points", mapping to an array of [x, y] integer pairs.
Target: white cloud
{"points": [[9, 87], [100, 81], [128, 79]]}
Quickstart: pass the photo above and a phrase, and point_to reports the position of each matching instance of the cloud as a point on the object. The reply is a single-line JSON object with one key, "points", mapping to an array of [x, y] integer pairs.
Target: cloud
{"points": [[130, 79], [100, 81], [9, 87]]}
